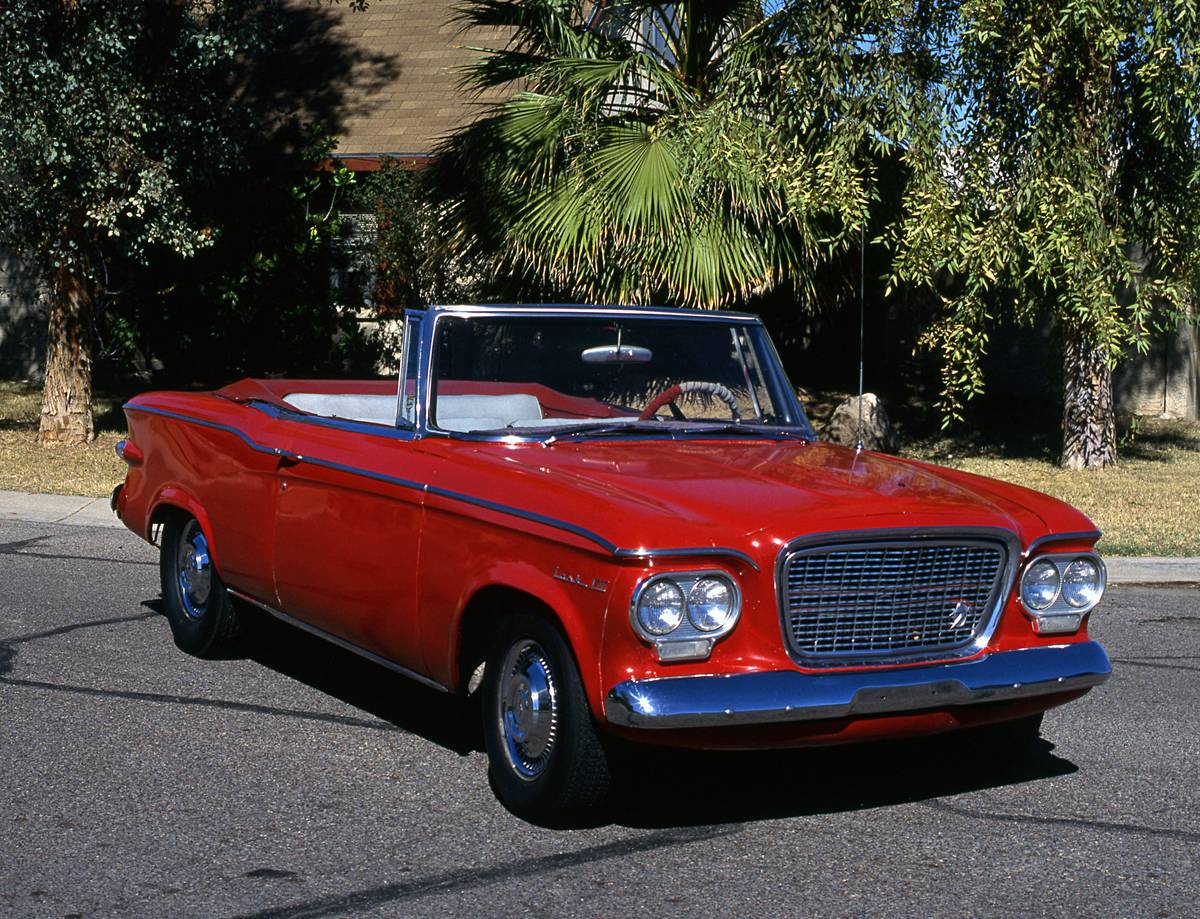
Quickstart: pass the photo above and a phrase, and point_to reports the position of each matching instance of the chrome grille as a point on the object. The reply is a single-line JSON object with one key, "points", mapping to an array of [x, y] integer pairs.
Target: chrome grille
{"points": [[889, 599]]}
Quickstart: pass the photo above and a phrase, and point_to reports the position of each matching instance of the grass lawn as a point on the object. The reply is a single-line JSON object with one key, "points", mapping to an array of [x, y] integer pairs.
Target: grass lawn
{"points": [[93, 470], [1147, 505]]}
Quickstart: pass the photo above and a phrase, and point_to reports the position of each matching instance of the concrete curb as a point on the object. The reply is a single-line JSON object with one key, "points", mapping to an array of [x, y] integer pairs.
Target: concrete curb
{"points": [[77, 510], [66, 510], [1152, 569]]}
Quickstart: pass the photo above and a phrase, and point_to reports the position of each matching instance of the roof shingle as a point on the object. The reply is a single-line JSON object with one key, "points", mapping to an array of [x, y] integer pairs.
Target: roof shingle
{"points": [[419, 48]]}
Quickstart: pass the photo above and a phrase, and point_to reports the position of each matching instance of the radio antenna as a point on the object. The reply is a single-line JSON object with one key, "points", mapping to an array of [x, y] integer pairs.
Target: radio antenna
{"points": [[862, 261]]}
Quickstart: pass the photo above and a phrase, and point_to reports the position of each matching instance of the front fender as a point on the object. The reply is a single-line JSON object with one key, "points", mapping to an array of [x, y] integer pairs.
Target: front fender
{"points": [[579, 612]]}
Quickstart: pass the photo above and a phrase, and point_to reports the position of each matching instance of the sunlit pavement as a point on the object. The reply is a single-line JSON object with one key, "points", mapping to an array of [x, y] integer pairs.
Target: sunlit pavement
{"points": [[302, 782]]}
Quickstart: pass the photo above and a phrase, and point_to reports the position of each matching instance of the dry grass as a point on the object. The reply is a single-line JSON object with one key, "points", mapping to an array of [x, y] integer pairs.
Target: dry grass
{"points": [[25, 466], [1146, 505]]}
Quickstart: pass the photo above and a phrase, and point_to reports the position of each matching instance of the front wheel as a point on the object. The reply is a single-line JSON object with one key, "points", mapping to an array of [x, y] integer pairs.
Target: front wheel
{"points": [[203, 619], [545, 758]]}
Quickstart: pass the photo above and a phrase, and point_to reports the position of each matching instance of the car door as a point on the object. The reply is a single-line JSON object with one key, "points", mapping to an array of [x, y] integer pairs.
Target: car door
{"points": [[348, 515], [347, 536]]}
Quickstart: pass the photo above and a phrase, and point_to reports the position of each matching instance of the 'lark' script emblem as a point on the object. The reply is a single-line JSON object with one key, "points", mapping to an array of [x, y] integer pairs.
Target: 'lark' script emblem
{"points": [[597, 584]]}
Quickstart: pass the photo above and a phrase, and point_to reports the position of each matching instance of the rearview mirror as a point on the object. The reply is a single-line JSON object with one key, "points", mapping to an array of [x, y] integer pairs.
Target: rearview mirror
{"points": [[617, 354]]}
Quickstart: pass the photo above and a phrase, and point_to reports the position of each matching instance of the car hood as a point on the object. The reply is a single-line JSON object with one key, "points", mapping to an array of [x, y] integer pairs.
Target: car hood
{"points": [[734, 493]]}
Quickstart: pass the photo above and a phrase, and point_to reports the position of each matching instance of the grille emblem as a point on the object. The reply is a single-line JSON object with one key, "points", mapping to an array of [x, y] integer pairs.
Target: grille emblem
{"points": [[958, 615]]}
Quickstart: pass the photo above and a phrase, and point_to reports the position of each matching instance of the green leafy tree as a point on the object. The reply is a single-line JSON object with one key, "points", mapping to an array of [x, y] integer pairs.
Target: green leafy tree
{"points": [[112, 112], [261, 299], [1067, 187], [697, 153], [412, 266]]}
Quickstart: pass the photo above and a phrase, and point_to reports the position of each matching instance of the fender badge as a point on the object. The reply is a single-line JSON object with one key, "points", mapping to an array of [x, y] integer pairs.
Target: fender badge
{"points": [[597, 584]]}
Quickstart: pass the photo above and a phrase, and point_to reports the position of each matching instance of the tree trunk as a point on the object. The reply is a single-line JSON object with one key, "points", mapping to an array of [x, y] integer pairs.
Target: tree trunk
{"points": [[67, 393], [1089, 429]]}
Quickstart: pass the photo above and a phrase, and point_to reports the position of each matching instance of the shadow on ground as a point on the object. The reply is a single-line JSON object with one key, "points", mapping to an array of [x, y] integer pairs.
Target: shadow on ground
{"points": [[443, 719], [658, 787], [662, 788]]}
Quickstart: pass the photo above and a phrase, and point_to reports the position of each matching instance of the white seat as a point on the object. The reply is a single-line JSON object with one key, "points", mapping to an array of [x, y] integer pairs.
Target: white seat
{"points": [[504, 410], [454, 413], [467, 424], [351, 406]]}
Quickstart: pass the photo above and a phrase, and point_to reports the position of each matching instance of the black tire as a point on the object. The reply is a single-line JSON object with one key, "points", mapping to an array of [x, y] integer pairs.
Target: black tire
{"points": [[203, 619], [546, 760]]}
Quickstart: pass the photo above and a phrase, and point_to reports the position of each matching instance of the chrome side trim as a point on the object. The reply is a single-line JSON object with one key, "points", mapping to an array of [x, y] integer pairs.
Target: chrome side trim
{"points": [[531, 516], [296, 416], [340, 642], [691, 552], [1007, 580], [610, 547], [423, 487], [1060, 537], [790, 695]]}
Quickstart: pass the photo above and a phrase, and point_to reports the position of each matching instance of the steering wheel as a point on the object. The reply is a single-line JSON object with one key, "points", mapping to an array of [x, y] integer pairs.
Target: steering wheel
{"points": [[671, 393]]}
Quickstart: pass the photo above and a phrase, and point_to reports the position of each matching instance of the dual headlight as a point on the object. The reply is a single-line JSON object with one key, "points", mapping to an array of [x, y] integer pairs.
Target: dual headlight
{"points": [[683, 613], [1059, 590]]}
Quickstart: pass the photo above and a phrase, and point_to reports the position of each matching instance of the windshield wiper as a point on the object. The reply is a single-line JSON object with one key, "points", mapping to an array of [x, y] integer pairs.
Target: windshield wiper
{"points": [[745, 429], [599, 429], [673, 430]]}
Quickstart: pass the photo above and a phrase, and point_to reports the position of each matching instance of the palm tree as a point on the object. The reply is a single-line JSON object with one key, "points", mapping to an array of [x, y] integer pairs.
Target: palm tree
{"points": [[696, 153]]}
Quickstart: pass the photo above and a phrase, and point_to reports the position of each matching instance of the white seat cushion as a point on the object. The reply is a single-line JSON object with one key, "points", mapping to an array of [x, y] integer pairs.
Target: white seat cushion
{"points": [[466, 425], [351, 406], [507, 409], [454, 413]]}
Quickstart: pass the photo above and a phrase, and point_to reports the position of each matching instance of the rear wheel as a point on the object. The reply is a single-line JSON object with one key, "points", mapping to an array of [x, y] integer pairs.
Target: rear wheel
{"points": [[203, 619], [546, 760]]}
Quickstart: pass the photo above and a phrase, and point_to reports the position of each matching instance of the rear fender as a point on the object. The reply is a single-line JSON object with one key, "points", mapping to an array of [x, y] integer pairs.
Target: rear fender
{"points": [[174, 496]]}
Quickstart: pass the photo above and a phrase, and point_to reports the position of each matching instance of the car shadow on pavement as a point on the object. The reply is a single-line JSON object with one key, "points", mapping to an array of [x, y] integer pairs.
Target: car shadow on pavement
{"points": [[447, 720], [658, 787], [664, 788]]}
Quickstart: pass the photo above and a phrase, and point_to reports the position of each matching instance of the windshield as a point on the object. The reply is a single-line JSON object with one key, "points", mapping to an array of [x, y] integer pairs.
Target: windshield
{"points": [[553, 375]]}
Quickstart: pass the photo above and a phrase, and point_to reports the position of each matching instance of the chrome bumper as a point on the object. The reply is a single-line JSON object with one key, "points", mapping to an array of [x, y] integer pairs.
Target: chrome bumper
{"points": [[788, 695]]}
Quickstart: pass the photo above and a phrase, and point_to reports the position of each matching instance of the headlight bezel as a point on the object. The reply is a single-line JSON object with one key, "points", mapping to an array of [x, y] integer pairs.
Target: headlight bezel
{"points": [[1061, 616], [686, 641], [683, 607], [1036, 565]]}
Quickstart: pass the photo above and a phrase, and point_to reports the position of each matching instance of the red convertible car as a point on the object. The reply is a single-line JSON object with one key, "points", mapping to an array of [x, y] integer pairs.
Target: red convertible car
{"points": [[614, 522]]}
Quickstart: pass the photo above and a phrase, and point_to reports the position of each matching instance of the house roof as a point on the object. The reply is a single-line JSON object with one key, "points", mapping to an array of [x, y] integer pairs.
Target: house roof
{"points": [[403, 82]]}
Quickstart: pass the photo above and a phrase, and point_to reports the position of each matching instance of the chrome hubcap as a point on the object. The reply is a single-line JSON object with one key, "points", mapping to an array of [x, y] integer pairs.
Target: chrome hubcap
{"points": [[195, 570], [528, 709]]}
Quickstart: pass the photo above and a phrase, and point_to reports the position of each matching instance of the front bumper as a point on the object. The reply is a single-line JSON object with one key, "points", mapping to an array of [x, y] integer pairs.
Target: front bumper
{"points": [[789, 695]]}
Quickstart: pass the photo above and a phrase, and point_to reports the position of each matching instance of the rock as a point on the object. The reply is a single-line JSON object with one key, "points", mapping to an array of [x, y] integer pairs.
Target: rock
{"points": [[878, 433]]}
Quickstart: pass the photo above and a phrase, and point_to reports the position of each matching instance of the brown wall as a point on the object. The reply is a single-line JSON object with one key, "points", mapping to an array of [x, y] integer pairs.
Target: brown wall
{"points": [[1164, 381]]}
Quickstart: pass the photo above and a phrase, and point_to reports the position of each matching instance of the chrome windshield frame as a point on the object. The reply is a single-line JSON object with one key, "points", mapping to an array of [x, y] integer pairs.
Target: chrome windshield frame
{"points": [[776, 380]]}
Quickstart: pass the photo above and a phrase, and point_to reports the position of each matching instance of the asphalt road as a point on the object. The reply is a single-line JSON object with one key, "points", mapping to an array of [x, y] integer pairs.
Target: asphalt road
{"points": [[303, 782]]}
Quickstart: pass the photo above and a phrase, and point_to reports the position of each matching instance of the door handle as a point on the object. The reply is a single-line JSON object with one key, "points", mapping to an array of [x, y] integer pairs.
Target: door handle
{"points": [[287, 457]]}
